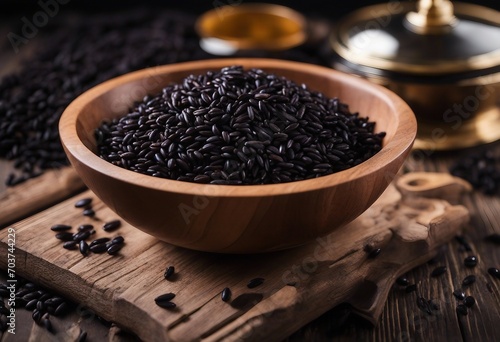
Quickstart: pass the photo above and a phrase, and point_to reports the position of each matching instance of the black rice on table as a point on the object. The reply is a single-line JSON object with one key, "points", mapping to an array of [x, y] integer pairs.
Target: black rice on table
{"points": [[75, 52], [237, 126]]}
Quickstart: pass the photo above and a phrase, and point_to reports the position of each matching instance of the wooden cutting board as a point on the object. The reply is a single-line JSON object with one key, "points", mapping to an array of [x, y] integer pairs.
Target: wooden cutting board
{"points": [[299, 285], [37, 193]]}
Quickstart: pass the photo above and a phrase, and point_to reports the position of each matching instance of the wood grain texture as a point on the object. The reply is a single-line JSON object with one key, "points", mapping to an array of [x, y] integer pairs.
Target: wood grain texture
{"points": [[261, 218], [300, 284], [401, 320], [38, 193]]}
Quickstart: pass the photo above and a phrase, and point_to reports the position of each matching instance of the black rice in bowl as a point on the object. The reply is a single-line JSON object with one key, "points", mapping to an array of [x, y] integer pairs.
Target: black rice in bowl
{"points": [[237, 126]]}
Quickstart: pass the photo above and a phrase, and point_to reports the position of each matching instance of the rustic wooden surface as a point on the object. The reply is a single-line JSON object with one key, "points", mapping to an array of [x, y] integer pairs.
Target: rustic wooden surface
{"points": [[400, 320], [409, 230], [38, 193]]}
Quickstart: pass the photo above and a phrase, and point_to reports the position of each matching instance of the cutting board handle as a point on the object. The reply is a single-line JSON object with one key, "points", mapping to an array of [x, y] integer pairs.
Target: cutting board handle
{"points": [[424, 221]]}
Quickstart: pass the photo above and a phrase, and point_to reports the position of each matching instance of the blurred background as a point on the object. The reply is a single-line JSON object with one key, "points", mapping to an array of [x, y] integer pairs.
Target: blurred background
{"points": [[328, 9]]}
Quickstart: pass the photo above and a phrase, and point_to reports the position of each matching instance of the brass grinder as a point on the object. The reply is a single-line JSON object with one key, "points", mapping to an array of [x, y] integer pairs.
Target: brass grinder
{"points": [[442, 58]]}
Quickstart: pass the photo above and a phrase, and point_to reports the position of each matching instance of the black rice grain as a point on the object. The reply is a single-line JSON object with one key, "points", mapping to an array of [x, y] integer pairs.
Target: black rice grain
{"points": [[36, 316], [470, 261], [51, 310], [98, 248], [238, 138], [85, 227], [54, 301], [469, 280], [64, 236], [402, 281], [29, 286], [164, 300], [47, 325], [83, 247], [40, 306], [459, 294], [89, 212], [99, 241], [44, 296], [61, 309], [494, 272], [255, 282], [439, 271], [469, 301], [71, 244], [111, 225], [166, 305], [374, 253], [81, 235], [165, 297], [83, 203], [32, 295], [462, 310], [60, 227], [23, 292], [169, 272], [226, 294], [118, 240], [114, 249], [82, 337], [31, 305]]}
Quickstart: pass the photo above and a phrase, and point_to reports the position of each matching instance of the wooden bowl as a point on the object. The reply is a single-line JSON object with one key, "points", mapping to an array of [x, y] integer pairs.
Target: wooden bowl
{"points": [[237, 219]]}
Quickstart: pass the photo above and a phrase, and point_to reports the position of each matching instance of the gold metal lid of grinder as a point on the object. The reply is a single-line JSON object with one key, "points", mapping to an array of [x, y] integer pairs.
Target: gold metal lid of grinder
{"points": [[442, 58]]}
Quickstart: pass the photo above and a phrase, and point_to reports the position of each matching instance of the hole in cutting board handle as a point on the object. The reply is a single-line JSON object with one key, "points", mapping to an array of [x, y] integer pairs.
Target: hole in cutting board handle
{"points": [[418, 182]]}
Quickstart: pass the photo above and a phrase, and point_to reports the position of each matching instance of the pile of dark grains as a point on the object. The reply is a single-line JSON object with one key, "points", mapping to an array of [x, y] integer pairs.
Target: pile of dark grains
{"points": [[40, 301], [43, 303], [76, 52], [78, 55], [237, 126], [482, 170], [78, 239]]}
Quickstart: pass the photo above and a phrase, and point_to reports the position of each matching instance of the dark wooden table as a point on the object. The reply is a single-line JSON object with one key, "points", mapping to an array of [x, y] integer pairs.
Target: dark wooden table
{"points": [[401, 320]]}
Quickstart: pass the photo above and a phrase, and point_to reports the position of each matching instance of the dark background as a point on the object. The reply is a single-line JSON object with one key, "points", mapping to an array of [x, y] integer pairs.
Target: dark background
{"points": [[328, 9]]}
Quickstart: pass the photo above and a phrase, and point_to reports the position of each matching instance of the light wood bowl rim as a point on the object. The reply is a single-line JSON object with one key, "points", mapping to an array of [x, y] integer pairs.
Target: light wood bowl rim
{"points": [[395, 148]]}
